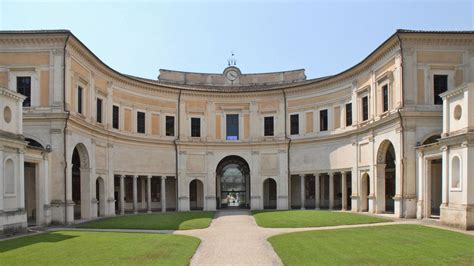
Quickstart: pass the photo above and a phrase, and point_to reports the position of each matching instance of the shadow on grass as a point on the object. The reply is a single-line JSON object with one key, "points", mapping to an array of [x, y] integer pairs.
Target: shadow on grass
{"points": [[8, 245]]}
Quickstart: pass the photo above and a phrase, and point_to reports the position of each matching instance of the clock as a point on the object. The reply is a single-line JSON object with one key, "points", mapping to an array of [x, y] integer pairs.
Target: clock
{"points": [[232, 75]]}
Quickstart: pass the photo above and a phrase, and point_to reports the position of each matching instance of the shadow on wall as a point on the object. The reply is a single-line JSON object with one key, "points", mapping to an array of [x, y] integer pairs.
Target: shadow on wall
{"points": [[21, 242]]}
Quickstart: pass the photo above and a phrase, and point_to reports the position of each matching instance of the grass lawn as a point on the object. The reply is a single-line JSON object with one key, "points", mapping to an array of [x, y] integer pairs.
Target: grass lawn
{"points": [[311, 218], [389, 244], [154, 221], [98, 248]]}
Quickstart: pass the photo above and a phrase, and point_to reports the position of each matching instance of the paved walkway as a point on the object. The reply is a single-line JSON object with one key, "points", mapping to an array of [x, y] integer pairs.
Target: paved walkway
{"points": [[233, 239]]}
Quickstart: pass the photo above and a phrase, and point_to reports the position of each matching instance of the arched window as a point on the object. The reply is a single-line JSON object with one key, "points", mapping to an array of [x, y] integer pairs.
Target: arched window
{"points": [[455, 172], [9, 177]]}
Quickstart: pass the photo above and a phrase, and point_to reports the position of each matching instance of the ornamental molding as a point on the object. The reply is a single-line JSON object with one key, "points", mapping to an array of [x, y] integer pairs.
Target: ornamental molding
{"points": [[26, 40]]}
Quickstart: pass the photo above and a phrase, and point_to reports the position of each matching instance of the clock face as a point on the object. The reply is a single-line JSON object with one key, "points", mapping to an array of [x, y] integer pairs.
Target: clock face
{"points": [[231, 75]]}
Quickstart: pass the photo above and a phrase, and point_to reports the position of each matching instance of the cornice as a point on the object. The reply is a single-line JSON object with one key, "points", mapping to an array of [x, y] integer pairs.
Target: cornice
{"points": [[36, 40]]}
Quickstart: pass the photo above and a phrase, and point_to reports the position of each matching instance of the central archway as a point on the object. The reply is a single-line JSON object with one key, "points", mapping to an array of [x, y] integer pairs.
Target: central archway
{"points": [[233, 183]]}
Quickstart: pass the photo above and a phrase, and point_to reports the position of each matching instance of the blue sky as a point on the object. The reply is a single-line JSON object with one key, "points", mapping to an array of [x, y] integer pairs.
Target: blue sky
{"points": [[324, 37]]}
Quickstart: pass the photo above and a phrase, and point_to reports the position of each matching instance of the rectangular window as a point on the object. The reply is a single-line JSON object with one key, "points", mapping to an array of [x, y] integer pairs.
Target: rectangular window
{"points": [[323, 120], [440, 85], [23, 86], [232, 127], [195, 127], [169, 125], [79, 99], [385, 97], [99, 110], [294, 124], [348, 114], [365, 108], [141, 122], [268, 126], [115, 117]]}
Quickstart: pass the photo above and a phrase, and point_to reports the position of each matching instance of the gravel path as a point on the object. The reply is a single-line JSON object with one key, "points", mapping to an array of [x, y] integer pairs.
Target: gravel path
{"points": [[233, 239]]}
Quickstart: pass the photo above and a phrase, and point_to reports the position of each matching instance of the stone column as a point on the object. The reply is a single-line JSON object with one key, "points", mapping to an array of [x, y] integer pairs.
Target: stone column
{"points": [[122, 195], [135, 194], [317, 191], [344, 190], [302, 191], [445, 177], [163, 194], [148, 194], [331, 190]]}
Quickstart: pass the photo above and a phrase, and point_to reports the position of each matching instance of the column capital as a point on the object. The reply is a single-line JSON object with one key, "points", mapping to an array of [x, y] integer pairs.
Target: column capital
{"points": [[135, 176], [149, 176], [163, 177], [123, 176]]}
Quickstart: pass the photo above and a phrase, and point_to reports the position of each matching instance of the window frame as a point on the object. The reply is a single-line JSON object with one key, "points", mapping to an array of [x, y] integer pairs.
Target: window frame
{"points": [[321, 128], [165, 124], [192, 130], [436, 96], [388, 98], [272, 126], [346, 114], [239, 117], [29, 97], [101, 113], [291, 125], [362, 113], [80, 99], [118, 116], [34, 86], [137, 121]]}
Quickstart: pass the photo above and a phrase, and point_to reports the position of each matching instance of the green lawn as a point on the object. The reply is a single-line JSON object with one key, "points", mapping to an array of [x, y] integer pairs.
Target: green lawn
{"points": [[154, 221], [311, 218], [98, 248], [379, 245]]}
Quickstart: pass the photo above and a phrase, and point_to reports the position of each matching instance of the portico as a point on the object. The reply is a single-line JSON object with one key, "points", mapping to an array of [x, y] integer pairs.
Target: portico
{"points": [[144, 193], [321, 190]]}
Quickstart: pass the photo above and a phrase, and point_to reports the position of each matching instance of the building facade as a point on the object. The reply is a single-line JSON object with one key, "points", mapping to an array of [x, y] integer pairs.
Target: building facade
{"points": [[369, 139]]}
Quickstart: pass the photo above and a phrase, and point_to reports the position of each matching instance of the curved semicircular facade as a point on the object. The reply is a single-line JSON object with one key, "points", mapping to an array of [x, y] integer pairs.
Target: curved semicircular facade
{"points": [[84, 140]]}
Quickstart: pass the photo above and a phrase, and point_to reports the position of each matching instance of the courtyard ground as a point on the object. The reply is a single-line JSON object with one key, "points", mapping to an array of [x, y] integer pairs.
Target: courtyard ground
{"points": [[234, 237], [311, 218], [98, 248], [154, 221], [401, 244]]}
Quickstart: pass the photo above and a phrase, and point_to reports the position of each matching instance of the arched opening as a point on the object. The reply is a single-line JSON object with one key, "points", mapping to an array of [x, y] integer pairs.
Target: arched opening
{"points": [[390, 179], [269, 194], [233, 183], [196, 195], [100, 196], [386, 176], [431, 139], [80, 167], [33, 143], [364, 192]]}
